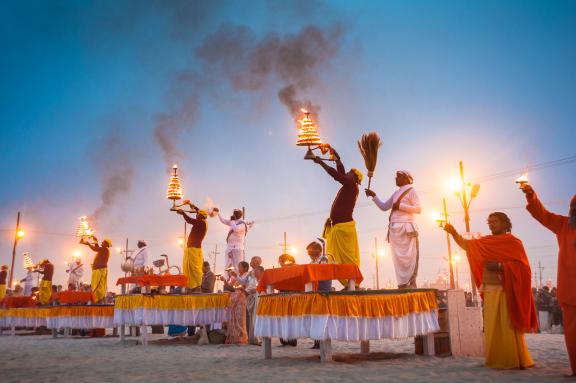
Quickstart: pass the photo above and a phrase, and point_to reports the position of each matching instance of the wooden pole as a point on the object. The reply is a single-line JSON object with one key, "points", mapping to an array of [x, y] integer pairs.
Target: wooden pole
{"points": [[464, 200], [14, 249], [449, 247]]}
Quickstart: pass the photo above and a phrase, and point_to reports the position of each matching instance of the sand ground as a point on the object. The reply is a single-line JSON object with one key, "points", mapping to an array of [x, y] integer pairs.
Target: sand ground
{"points": [[44, 359]]}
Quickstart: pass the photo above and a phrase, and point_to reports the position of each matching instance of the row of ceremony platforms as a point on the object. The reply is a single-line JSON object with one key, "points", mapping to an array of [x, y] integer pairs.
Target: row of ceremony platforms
{"points": [[297, 311]]}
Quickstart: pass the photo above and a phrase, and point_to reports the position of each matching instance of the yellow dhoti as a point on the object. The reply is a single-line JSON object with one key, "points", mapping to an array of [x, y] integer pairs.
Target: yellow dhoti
{"points": [[504, 346], [342, 247], [99, 283], [192, 266], [2, 291], [45, 292]]}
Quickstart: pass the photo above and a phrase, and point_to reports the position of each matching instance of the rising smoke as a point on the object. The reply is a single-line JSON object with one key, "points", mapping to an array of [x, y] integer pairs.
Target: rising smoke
{"points": [[116, 172], [248, 63]]}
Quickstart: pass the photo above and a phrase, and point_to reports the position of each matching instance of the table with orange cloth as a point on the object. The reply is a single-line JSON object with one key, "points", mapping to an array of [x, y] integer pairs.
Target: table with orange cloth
{"points": [[80, 317], [155, 280], [73, 297], [13, 302], [295, 277], [348, 315]]}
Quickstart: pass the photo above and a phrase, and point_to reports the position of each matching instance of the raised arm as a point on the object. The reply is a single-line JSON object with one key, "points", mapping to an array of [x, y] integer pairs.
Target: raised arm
{"points": [[337, 175], [187, 218], [224, 220], [551, 221]]}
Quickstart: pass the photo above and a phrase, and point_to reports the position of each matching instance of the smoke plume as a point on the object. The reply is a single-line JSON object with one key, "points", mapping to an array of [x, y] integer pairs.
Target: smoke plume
{"points": [[116, 172], [248, 63]]}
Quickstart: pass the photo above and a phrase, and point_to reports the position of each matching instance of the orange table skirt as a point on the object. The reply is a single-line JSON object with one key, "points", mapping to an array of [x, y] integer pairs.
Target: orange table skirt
{"points": [[73, 297], [155, 280], [295, 277]]}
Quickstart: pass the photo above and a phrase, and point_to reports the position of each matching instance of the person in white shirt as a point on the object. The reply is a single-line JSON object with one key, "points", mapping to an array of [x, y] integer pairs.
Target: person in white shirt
{"points": [[236, 237], [402, 228], [140, 258], [75, 272], [29, 281]]}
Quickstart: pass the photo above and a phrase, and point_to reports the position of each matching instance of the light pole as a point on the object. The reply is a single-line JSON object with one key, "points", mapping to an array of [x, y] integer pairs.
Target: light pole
{"points": [[466, 193], [456, 262], [442, 220], [18, 235]]}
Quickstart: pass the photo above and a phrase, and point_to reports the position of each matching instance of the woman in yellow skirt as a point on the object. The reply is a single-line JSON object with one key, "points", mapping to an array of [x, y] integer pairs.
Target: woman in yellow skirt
{"points": [[502, 273]]}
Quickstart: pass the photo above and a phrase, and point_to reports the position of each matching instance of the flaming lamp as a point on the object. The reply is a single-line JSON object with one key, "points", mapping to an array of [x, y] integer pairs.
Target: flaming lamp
{"points": [[83, 229], [28, 263], [308, 136], [522, 180], [174, 187]]}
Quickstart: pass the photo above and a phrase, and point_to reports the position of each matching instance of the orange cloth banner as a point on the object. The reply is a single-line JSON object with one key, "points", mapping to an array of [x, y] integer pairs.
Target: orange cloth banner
{"points": [[293, 278], [73, 297], [155, 280], [368, 306]]}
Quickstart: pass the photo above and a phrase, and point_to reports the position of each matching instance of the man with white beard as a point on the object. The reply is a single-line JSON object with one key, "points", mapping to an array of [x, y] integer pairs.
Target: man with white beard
{"points": [[236, 237], [402, 229]]}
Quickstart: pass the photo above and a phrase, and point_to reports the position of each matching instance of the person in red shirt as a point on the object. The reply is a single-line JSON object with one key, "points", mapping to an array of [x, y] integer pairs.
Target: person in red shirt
{"points": [[565, 229]]}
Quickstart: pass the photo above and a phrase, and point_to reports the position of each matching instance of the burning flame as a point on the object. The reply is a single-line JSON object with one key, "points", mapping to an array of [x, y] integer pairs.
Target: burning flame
{"points": [[307, 133], [174, 186], [523, 179], [83, 229]]}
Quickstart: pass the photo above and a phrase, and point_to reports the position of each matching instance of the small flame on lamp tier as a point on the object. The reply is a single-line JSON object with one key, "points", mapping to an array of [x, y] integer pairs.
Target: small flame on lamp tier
{"points": [[83, 229], [523, 179], [307, 133]]}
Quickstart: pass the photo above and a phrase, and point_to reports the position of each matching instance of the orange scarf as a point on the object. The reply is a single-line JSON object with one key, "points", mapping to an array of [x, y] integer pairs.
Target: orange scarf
{"points": [[516, 275]]}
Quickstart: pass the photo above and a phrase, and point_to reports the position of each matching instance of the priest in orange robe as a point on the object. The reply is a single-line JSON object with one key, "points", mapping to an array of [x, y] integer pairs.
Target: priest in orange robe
{"points": [[565, 229], [502, 273]]}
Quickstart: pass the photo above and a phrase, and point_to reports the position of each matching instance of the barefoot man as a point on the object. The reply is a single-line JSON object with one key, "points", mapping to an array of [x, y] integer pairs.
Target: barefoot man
{"points": [[340, 228], [193, 261], [99, 281], [402, 229], [565, 229]]}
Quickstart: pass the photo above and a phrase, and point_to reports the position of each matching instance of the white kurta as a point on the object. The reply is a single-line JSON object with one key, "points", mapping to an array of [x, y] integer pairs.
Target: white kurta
{"points": [[29, 283], [236, 239], [403, 234], [141, 257], [75, 275]]}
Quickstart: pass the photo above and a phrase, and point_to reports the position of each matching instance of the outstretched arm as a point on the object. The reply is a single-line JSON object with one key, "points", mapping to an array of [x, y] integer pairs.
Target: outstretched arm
{"points": [[224, 220], [463, 243], [551, 221]]}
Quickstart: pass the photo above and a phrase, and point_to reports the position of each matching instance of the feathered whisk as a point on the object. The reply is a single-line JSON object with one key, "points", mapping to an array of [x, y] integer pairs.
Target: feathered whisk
{"points": [[369, 145]]}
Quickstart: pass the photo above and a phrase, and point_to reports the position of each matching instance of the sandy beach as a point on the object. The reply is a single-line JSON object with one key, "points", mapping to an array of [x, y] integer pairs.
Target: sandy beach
{"points": [[44, 359]]}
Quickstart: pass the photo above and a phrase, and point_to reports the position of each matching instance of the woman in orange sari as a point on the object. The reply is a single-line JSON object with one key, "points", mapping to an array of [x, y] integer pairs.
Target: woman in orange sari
{"points": [[502, 273]]}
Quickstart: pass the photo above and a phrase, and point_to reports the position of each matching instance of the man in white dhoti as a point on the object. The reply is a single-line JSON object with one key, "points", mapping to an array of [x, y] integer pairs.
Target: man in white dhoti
{"points": [[141, 258], [402, 229], [236, 237], [75, 272], [29, 281]]}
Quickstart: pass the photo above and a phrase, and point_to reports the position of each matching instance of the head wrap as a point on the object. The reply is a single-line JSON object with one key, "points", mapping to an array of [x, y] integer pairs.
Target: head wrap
{"points": [[203, 213], [143, 242], [45, 260], [358, 174], [4, 267], [108, 242], [406, 174], [573, 200]]}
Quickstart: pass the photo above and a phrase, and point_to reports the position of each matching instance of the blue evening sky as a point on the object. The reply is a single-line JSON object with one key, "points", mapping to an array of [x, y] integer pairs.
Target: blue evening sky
{"points": [[490, 83]]}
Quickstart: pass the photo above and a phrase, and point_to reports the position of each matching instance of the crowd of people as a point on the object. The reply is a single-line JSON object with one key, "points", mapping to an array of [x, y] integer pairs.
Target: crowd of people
{"points": [[498, 262]]}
